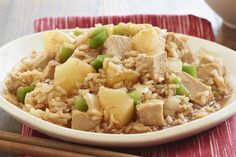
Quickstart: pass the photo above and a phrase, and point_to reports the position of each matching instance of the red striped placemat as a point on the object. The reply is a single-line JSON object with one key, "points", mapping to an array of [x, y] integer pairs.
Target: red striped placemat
{"points": [[217, 142]]}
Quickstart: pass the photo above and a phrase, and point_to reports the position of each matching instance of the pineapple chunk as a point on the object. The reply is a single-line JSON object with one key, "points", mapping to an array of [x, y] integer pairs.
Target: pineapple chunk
{"points": [[118, 103], [129, 29], [54, 39], [116, 73], [148, 41], [73, 71]]}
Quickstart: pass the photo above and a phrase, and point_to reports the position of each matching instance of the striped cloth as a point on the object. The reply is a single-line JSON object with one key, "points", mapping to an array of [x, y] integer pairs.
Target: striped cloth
{"points": [[217, 142]]}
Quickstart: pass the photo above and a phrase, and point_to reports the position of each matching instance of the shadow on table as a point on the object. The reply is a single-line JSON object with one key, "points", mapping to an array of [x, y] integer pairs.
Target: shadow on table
{"points": [[227, 37]]}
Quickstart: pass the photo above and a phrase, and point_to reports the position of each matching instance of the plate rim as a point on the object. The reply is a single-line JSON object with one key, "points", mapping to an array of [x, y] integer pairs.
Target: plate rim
{"points": [[119, 140]]}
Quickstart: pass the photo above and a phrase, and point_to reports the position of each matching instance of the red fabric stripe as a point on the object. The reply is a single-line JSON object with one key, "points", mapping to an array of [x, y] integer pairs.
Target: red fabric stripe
{"points": [[219, 141], [181, 24]]}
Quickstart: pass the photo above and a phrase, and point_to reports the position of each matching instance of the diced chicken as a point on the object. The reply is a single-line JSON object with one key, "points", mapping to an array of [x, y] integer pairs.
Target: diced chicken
{"points": [[177, 48], [82, 121], [156, 65], [116, 45], [212, 70], [199, 92], [151, 112], [48, 72]]}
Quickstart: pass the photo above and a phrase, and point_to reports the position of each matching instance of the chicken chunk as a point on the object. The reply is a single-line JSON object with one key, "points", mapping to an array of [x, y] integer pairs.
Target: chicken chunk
{"points": [[177, 48], [48, 72], [199, 92], [82, 121], [151, 112], [156, 65], [212, 70], [116, 45]]}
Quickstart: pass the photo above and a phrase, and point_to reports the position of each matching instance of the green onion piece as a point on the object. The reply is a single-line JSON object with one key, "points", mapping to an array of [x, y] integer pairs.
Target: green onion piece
{"points": [[98, 62], [98, 40], [22, 91], [136, 95], [181, 90], [175, 81], [97, 31], [80, 104], [65, 53], [128, 30], [76, 32], [190, 69], [118, 30]]}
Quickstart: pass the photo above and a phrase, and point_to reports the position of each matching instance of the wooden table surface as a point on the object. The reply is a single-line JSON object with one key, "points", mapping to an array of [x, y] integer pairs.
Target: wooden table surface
{"points": [[16, 20]]}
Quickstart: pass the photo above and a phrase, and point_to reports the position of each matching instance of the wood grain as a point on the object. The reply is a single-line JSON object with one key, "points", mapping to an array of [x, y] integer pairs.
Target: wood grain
{"points": [[36, 151], [36, 146]]}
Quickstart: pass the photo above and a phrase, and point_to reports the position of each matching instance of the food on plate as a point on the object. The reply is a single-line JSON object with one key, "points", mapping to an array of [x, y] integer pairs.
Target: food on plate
{"points": [[71, 73], [117, 104], [125, 78]]}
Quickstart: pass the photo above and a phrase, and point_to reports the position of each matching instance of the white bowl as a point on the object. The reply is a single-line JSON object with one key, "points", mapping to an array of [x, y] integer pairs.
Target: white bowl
{"points": [[225, 9], [11, 53]]}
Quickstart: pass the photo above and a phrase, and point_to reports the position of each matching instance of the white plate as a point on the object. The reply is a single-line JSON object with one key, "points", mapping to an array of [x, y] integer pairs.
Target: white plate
{"points": [[13, 52]]}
